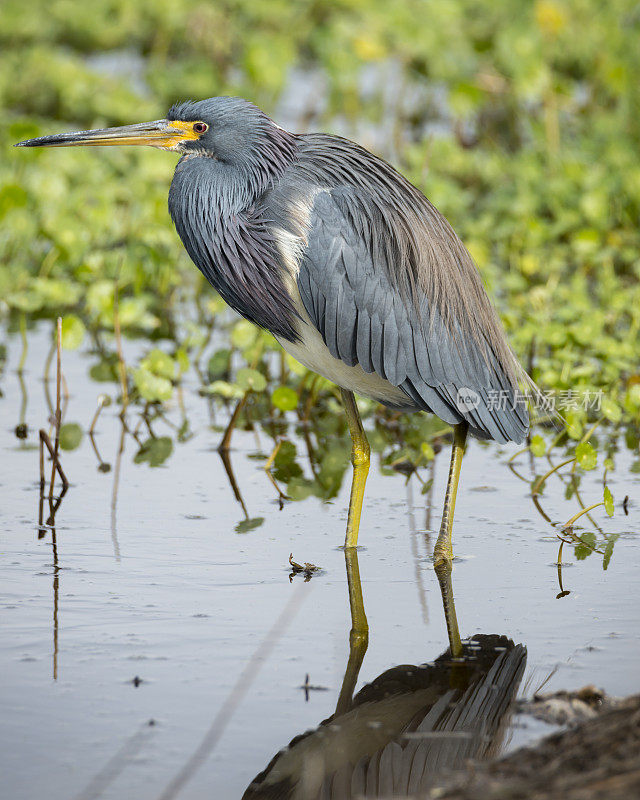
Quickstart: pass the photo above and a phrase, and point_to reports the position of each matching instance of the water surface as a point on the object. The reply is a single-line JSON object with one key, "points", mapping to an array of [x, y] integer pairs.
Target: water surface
{"points": [[149, 606]]}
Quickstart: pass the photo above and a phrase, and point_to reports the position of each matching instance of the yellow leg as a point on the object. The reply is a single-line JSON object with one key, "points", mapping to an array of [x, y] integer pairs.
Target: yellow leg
{"points": [[443, 552], [360, 452], [359, 635]]}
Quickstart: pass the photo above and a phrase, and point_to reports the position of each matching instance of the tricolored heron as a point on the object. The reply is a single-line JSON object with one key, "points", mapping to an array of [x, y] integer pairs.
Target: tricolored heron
{"points": [[349, 266]]}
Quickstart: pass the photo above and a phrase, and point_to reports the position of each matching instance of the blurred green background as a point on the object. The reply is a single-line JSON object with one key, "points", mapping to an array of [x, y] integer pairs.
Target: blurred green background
{"points": [[519, 120]]}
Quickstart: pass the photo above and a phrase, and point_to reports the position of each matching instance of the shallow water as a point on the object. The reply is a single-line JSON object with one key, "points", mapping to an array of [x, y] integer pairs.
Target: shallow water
{"points": [[161, 587]]}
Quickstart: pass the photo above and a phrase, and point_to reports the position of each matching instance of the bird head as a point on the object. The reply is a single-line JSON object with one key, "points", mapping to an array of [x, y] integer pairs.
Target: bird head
{"points": [[226, 128]]}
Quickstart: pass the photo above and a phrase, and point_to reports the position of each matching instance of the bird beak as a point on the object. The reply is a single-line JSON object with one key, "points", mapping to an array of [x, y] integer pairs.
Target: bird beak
{"points": [[161, 133]]}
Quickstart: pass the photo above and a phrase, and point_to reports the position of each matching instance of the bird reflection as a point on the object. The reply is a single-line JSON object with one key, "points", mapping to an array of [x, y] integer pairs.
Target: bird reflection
{"points": [[398, 733]]}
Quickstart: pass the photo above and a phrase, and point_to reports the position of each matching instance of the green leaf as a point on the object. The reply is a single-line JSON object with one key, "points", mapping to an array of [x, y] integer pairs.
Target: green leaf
{"points": [[244, 333], [152, 387], [218, 365], [70, 436], [586, 456], [608, 501], [285, 466], [134, 314], [57, 294], [538, 445], [284, 398], [632, 400], [251, 380], [286, 453], [99, 299], [72, 332], [300, 489], [295, 366], [23, 129], [160, 364], [154, 451], [12, 195], [608, 550], [427, 451], [224, 389], [27, 301], [575, 423], [611, 410], [105, 370], [248, 525], [182, 360], [584, 550], [426, 486]]}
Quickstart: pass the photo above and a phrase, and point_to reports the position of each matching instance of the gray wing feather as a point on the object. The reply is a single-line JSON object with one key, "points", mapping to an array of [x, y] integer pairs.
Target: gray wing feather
{"points": [[363, 342], [363, 318]]}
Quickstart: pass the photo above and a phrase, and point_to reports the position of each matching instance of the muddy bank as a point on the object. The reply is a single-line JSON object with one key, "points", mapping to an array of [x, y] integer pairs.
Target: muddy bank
{"points": [[600, 758]]}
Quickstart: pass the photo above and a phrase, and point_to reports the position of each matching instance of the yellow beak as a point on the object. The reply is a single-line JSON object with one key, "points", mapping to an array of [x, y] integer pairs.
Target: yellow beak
{"points": [[161, 133]]}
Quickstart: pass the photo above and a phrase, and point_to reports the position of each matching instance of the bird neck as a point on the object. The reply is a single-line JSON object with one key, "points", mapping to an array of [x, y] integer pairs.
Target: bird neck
{"points": [[243, 174], [216, 209]]}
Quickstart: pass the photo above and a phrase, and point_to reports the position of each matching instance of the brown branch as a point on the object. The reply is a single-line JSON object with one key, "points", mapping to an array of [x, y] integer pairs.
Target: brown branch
{"points": [[45, 440]]}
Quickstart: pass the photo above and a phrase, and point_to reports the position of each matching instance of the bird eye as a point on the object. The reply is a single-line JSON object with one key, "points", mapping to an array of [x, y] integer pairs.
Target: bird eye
{"points": [[200, 127]]}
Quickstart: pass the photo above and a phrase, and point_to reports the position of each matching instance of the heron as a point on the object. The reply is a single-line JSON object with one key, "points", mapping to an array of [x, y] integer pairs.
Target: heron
{"points": [[348, 264]]}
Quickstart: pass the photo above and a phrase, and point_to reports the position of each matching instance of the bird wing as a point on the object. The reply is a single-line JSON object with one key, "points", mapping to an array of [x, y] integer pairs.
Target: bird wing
{"points": [[352, 295]]}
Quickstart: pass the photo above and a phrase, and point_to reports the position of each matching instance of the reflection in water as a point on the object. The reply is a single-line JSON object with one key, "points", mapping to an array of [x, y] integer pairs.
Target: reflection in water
{"points": [[21, 429], [425, 536], [563, 592], [443, 571], [50, 525], [398, 733], [114, 493], [249, 523], [226, 463], [56, 590]]}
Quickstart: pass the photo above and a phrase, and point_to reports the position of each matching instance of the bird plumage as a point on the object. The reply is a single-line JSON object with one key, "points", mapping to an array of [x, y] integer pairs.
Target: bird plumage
{"points": [[313, 230]]}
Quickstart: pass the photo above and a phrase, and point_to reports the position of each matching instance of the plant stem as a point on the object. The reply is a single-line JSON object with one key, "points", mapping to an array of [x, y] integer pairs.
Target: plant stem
{"points": [[543, 478], [569, 523]]}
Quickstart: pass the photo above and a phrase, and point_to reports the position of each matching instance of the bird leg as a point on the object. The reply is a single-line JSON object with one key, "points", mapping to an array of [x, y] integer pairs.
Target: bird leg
{"points": [[360, 452], [359, 634], [443, 552]]}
